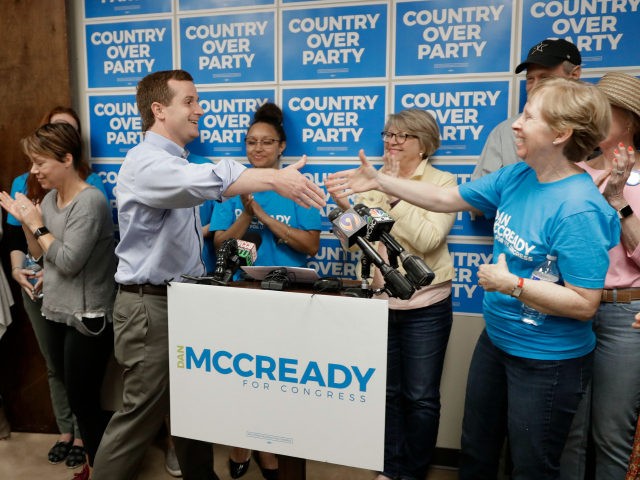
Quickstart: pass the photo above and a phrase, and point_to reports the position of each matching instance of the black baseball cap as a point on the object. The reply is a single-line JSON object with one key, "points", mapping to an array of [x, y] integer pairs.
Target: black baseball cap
{"points": [[551, 53]]}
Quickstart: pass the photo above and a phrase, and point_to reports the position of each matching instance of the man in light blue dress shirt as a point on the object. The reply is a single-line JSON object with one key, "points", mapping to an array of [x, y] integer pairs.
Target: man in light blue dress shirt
{"points": [[158, 194]]}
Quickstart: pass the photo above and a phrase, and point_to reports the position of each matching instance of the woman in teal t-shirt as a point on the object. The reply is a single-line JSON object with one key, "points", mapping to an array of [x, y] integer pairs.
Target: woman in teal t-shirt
{"points": [[288, 232]]}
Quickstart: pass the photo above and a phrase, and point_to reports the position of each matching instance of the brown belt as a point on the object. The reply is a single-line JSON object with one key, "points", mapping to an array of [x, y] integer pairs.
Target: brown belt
{"points": [[620, 295], [145, 289]]}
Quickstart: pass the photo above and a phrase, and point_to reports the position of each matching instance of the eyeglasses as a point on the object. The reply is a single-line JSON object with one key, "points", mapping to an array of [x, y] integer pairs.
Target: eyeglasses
{"points": [[400, 137], [265, 142]]}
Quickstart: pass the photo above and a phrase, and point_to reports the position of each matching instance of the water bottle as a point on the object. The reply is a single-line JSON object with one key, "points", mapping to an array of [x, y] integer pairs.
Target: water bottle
{"points": [[547, 271], [31, 264]]}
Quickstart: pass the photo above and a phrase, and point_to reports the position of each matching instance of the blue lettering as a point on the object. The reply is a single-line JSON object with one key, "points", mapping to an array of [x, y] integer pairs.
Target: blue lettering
{"points": [[265, 366], [236, 364], [216, 362], [312, 374], [285, 370], [363, 379], [204, 359], [334, 368]]}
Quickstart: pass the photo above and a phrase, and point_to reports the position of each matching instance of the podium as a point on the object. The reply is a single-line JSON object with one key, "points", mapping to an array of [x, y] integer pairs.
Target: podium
{"points": [[301, 375]]}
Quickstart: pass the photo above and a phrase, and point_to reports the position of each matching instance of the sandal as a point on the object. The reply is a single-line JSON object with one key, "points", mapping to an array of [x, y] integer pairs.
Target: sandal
{"points": [[76, 457], [59, 452]]}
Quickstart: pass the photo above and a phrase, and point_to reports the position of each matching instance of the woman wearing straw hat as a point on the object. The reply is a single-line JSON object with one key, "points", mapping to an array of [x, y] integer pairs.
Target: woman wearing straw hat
{"points": [[616, 384]]}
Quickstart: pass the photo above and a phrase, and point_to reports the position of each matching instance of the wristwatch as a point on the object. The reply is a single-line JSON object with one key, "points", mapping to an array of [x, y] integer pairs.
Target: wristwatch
{"points": [[40, 231], [517, 290], [625, 211]]}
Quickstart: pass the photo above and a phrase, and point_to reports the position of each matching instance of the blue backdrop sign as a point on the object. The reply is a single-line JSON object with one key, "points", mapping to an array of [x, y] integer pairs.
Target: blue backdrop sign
{"points": [[465, 111], [441, 37], [229, 48], [336, 42], [226, 118], [606, 33], [120, 54], [96, 8], [466, 224], [332, 261], [467, 257], [115, 125], [206, 4], [109, 174], [338, 121]]}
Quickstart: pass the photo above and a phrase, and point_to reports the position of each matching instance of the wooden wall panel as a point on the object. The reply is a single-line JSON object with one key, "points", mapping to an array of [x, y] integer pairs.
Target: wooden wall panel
{"points": [[34, 77]]}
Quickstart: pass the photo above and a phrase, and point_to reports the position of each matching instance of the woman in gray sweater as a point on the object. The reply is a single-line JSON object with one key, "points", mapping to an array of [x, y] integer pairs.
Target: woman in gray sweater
{"points": [[72, 231]]}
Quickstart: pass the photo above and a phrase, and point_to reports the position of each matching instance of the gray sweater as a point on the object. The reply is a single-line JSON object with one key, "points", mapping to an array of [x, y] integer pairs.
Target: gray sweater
{"points": [[80, 263]]}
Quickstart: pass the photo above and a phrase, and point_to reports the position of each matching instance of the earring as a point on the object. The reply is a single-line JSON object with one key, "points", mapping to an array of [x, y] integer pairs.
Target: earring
{"points": [[555, 142]]}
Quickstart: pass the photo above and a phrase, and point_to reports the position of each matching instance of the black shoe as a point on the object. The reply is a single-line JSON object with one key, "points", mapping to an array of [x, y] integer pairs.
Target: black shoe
{"points": [[267, 473], [237, 470], [76, 457], [59, 452]]}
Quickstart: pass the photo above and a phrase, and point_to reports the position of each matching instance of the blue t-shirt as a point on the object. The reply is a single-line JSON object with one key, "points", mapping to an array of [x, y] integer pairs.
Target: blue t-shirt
{"points": [[20, 185], [270, 252], [206, 211], [568, 219]]}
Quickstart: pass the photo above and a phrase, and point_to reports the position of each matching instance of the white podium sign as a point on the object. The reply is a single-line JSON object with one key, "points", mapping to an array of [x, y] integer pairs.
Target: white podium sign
{"points": [[292, 373]]}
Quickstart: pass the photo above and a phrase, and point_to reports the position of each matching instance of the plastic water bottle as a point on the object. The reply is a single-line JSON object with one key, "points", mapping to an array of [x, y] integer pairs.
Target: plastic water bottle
{"points": [[547, 271], [31, 264]]}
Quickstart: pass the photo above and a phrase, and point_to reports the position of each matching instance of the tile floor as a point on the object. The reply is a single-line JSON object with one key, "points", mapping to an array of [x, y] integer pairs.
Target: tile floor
{"points": [[23, 457]]}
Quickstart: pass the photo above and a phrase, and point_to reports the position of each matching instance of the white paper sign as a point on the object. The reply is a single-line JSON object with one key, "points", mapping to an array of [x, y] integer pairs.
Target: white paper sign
{"points": [[292, 373]]}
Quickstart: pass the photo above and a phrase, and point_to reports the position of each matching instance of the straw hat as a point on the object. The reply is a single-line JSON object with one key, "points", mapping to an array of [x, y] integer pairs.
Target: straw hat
{"points": [[622, 90]]}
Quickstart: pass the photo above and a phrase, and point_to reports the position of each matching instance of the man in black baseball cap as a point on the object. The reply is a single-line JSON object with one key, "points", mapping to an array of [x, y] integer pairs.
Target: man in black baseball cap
{"points": [[551, 53], [548, 58]]}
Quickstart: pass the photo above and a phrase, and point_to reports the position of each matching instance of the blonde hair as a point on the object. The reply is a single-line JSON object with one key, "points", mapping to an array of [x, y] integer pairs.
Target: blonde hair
{"points": [[568, 104], [419, 123]]}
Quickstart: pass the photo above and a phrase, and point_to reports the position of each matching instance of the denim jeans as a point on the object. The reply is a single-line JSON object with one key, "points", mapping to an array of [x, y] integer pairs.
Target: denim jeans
{"points": [[417, 341], [615, 397], [533, 401]]}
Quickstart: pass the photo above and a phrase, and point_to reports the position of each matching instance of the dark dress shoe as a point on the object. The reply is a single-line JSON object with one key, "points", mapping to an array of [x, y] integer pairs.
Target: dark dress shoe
{"points": [[238, 469], [267, 473]]}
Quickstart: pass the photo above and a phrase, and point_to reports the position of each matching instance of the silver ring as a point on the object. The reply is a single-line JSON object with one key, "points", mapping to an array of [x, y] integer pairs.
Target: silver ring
{"points": [[23, 207], [619, 172]]}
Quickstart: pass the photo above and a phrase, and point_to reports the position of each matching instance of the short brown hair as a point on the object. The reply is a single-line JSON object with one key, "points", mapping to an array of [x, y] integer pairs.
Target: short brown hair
{"points": [[419, 123], [155, 88], [567, 104]]}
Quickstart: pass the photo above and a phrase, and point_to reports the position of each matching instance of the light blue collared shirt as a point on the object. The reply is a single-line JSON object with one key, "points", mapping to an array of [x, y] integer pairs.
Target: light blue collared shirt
{"points": [[157, 194]]}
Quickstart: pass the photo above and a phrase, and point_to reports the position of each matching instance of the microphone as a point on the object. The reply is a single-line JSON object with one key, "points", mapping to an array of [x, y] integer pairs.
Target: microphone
{"points": [[350, 228], [248, 248], [379, 224], [234, 254]]}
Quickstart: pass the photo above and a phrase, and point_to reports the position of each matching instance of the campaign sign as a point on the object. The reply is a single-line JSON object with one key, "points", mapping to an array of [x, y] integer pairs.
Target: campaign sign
{"points": [[606, 33], [318, 174], [334, 121], [443, 37], [229, 48], [109, 174], [465, 111], [334, 261], [111, 8], [467, 257], [185, 5], [115, 125], [467, 224], [335, 42], [297, 374], [120, 54], [225, 122]]}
